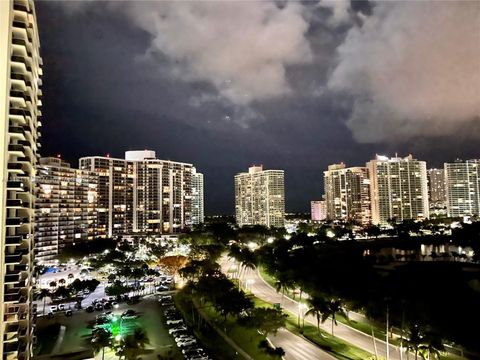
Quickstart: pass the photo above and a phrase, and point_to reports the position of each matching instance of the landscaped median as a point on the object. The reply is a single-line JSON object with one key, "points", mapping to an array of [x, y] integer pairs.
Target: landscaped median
{"points": [[333, 345], [339, 348], [208, 324]]}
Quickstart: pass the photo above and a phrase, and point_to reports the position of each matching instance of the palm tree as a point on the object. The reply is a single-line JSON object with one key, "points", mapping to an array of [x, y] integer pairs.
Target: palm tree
{"points": [[101, 339], [317, 307], [42, 295], [431, 347], [132, 344], [415, 340], [332, 308]]}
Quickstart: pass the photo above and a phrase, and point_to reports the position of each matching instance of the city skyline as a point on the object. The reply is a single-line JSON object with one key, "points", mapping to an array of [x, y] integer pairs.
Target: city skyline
{"points": [[146, 104]]}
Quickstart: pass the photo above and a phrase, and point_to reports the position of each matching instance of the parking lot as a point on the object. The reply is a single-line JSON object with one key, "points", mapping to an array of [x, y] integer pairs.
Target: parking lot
{"points": [[78, 328]]}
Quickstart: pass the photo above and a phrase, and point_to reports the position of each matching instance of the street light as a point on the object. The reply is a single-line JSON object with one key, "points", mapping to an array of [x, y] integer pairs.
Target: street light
{"points": [[249, 283], [301, 313]]}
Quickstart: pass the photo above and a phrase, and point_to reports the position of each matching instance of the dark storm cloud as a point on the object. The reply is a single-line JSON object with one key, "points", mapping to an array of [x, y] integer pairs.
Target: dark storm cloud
{"points": [[113, 84]]}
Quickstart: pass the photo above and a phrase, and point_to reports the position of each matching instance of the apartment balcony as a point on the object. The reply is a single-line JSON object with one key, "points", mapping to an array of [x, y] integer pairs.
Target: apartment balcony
{"points": [[20, 24], [16, 149], [14, 204], [13, 258], [11, 278], [15, 184], [20, 7]]}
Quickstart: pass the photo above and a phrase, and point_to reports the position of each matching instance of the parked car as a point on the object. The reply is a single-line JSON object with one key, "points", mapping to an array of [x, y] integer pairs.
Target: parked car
{"points": [[99, 306], [68, 312], [89, 308], [53, 308], [61, 307]]}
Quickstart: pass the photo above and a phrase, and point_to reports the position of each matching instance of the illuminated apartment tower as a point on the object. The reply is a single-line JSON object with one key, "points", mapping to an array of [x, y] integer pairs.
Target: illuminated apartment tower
{"points": [[260, 197], [347, 193], [162, 193], [114, 202], [197, 198], [398, 189], [436, 186], [141, 194], [318, 210], [20, 72], [65, 207], [462, 179]]}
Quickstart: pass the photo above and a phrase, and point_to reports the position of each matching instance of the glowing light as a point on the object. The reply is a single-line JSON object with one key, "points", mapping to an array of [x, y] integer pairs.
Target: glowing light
{"points": [[270, 240], [252, 245], [330, 234]]}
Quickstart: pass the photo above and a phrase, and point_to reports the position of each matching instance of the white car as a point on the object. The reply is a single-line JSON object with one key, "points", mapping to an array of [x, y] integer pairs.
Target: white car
{"points": [[61, 307], [187, 342], [177, 329], [175, 322], [54, 308]]}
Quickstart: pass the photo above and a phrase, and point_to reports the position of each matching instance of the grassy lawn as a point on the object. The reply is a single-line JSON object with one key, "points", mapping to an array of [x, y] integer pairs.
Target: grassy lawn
{"points": [[246, 339]]}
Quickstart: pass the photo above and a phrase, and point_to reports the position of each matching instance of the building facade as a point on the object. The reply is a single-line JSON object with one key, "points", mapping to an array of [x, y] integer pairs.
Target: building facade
{"points": [[347, 193], [437, 196], [65, 207], [462, 179], [20, 103], [436, 186], [198, 214], [398, 189], [260, 197], [318, 210], [141, 194]]}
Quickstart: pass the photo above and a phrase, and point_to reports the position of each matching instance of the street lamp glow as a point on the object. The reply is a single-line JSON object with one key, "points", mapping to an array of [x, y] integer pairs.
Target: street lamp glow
{"points": [[330, 234], [252, 245], [270, 240]]}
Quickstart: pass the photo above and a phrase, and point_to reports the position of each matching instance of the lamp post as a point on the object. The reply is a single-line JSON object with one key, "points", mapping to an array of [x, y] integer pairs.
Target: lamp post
{"points": [[248, 284], [301, 314]]}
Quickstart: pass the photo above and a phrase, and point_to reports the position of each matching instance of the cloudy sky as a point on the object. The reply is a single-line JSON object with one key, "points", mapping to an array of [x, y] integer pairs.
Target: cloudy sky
{"points": [[290, 85]]}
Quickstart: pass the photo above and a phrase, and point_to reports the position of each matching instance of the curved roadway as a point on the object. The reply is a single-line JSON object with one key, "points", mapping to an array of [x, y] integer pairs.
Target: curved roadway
{"points": [[294, 345]]}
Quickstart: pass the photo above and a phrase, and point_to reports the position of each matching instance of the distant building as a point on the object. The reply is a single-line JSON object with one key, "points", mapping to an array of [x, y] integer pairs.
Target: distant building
{"points": [[347, 193], [65, 210], [20, 112], [141, 194], [462, 179], [198, 215], [260, 197], [436, 186], [318, 210], [437, 196], [398, 189]]}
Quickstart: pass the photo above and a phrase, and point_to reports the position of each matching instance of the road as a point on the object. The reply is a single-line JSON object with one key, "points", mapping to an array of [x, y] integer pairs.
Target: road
{"points": [[267, 293], [297, 348]]}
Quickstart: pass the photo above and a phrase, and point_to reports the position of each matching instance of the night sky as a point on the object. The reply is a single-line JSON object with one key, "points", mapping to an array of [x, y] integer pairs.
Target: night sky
{"points": [[293, 86]]}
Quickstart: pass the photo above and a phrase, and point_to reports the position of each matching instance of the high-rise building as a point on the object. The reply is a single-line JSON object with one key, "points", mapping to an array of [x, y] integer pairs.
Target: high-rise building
{"points": [[114, 201], [462, 179], [141, 194], [437, 196], [65, 207], [318, 210], [398, 189], [20, 102], [198, 216], [436, 186], [347, 193], [260, 197]]}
